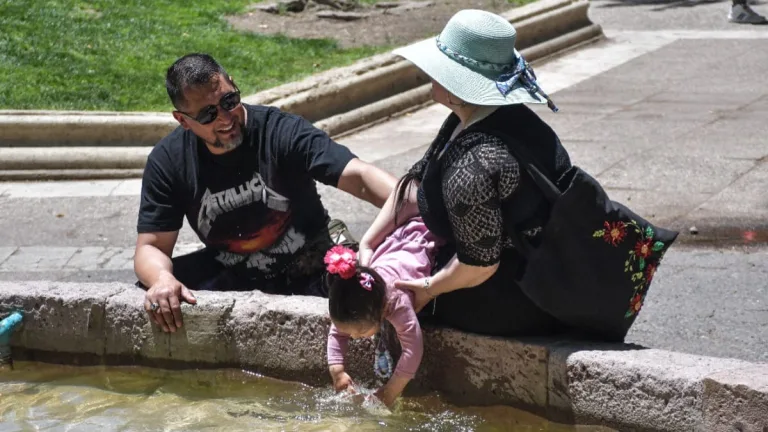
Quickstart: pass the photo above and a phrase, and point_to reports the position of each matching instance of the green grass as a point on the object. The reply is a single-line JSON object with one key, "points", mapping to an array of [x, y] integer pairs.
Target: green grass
{"points": [[112, 54]]}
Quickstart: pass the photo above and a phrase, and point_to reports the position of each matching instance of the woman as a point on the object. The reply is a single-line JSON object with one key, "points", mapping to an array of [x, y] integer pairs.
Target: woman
{"points": [[469, 188]]}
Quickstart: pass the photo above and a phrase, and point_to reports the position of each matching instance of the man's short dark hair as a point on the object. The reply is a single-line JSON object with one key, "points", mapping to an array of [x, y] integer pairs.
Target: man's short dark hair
{"points": [[190, 71]]}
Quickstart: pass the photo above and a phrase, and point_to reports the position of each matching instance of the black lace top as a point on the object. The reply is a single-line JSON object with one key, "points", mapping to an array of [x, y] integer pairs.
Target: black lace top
{"points": [[472, 189]]}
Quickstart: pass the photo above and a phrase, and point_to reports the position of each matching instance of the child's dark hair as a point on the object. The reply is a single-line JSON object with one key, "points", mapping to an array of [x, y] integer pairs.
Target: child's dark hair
{"points": [[350, 302]]}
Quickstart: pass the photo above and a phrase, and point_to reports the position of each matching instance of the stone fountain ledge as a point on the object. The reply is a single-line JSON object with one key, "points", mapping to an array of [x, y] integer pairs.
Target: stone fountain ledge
{"points": [[621, 386]]}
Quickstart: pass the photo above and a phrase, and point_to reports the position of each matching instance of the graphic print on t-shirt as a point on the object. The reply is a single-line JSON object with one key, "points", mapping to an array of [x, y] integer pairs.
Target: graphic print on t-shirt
{"points": [[248, 222]]}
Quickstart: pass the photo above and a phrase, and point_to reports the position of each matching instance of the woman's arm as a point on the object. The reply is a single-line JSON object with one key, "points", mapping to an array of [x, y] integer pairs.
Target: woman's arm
{"points": [[473, 191], [455, 275]]}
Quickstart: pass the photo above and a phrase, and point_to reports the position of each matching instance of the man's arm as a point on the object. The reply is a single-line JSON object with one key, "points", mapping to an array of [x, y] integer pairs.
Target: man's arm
{"points": [[159, 222], [367, 182], [154, 268], [304, 145], [152, 259]]}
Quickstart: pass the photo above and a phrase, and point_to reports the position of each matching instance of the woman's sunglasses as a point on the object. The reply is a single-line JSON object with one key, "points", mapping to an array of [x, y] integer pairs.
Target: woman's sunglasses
{"points": [[208, 114]]}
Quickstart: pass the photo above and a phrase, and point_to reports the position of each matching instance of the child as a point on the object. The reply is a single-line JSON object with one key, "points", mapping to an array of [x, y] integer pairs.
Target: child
{"points": [[360, 297]]}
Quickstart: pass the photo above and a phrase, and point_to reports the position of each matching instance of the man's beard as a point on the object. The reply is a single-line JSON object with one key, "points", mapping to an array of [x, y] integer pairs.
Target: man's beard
{"points": [[232, 144]]}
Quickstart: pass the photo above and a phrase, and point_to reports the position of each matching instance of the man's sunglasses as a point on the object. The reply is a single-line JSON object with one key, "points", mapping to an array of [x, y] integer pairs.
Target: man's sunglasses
{"points": [[208, 114]]}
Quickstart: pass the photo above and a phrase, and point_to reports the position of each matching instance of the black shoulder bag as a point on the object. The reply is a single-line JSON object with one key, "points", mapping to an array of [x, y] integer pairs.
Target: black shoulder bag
{"points": [[596, 258]]}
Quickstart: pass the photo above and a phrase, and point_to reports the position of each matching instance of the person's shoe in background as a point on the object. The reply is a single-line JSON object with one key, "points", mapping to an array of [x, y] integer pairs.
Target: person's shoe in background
{"points": [[743, 14]]}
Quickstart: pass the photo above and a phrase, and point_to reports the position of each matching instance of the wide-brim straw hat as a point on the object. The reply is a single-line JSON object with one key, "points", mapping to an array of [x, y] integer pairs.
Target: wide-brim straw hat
{"points": [[473, 54]]}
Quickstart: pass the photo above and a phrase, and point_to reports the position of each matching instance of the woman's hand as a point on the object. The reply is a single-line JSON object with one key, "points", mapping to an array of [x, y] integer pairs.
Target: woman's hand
{"points": [[421, 296], [451, 277]]}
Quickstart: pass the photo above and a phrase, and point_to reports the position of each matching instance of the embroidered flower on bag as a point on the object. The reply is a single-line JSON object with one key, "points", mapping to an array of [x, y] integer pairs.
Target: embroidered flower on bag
{"points": [[641, 264], [643, 248], [614, 232], [650, 271]]}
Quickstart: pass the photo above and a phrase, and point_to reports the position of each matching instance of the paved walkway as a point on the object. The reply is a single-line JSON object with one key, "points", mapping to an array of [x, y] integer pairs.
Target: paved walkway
{"points": [[672, 122], [667, 14]]}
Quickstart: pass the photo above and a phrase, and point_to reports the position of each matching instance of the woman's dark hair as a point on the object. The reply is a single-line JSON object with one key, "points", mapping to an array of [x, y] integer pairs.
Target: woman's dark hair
{"points": [[349, 302], [406, 182], [403, 189]]}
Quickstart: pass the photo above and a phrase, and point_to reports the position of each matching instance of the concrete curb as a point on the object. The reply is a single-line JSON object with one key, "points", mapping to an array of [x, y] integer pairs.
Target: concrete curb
{"points": [[621, 386], [91, 128], [338, 100], [73, 158], [69, 174], [68, 163]]}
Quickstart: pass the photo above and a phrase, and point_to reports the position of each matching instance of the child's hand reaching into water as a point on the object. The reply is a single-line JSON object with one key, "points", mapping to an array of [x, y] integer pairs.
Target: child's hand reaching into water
{"points": [[386, 397], [389, 393], [344, 382], [341, 380]]}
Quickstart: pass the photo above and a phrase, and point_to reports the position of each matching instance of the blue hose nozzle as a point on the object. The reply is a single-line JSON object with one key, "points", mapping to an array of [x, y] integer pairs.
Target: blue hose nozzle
{"points": [[7, 327]]}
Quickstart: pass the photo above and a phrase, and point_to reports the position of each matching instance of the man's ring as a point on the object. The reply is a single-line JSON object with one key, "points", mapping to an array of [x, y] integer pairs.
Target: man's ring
{"points": [[154, 306]]}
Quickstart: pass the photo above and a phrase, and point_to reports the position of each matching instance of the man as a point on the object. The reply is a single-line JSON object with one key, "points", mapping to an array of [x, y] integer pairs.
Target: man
{"points": [[244, 177]]}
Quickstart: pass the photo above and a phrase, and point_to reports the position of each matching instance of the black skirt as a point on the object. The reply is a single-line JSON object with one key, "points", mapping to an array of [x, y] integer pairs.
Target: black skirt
{"points": [[497, 307]]}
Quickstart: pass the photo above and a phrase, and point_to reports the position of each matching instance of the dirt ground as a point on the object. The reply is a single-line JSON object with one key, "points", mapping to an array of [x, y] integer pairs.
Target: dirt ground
{"points": [[380, 28]]}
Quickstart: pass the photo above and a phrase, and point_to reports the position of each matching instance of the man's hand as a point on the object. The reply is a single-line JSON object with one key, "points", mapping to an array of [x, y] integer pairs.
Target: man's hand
{"points": [[166, 295]]}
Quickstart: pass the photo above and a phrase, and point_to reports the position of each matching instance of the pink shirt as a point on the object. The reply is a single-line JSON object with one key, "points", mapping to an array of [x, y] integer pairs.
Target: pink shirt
{"points": [[407, 254]]}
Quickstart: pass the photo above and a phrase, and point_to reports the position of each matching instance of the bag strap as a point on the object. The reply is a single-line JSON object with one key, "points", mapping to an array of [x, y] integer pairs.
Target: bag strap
{"points": [[536, 171], [528, 162]]}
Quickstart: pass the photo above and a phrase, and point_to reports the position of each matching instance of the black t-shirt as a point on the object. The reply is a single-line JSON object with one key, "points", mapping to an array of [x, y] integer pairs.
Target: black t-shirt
{"points": [[256, 205]]}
